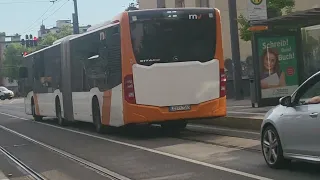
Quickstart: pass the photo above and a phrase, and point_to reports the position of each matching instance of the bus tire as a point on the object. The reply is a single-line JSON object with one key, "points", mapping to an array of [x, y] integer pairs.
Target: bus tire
{"points": [[61, 121], [33, 108], [96, 115]]}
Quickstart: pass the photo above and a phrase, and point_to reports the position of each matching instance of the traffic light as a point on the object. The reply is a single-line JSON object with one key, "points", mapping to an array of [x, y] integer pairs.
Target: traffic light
{"points": [[31, 40], [23, 42], [27, 41], [35, 41]]}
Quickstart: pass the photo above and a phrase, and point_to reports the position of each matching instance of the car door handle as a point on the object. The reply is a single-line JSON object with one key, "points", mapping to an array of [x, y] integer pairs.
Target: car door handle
{"points": [[314, 115]]}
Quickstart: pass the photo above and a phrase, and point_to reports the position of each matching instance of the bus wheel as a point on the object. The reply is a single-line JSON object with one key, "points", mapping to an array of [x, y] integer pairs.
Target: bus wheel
{"points": [[35, 117], [97, 117], [61, 121]]}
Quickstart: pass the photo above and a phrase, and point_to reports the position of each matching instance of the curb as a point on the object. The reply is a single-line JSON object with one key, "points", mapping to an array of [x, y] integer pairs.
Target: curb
{"points": [[232, 122]]}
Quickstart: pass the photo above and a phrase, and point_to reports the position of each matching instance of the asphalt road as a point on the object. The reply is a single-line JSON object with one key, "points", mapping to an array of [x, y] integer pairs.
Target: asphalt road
{"points": [[144, 153]]}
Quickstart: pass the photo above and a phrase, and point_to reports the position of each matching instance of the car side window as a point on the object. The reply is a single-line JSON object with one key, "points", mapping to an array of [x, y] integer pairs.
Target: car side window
{"points": [[309, 93]]}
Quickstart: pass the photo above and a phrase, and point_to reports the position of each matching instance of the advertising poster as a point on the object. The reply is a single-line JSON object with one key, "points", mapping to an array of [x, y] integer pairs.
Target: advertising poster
{"points": [[278, 66]]}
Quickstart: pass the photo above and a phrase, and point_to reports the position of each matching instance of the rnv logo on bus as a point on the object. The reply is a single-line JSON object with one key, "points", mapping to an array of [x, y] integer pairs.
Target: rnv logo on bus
{"points": [[194, 16]]}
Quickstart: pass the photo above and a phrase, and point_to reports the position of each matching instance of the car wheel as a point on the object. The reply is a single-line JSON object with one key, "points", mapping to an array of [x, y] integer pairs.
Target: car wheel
{"points": [[272, 148], [2, 98]]}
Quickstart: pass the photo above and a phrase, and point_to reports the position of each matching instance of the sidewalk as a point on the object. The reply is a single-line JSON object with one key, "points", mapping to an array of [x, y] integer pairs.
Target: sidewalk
{"points": [[243, 108], [240, 115]]}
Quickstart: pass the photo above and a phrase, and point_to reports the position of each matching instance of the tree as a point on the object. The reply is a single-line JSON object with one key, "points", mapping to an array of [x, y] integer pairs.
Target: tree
{"points": [[13, 60], [131, 7], [275, 9], [13, 53], [49, 38]]}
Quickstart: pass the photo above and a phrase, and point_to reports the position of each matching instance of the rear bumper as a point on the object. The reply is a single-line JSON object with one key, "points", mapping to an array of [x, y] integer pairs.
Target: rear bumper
{"points": [[149, 114]]}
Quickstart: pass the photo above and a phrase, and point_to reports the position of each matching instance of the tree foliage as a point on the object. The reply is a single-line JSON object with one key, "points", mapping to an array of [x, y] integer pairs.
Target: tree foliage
{"points": [[275, 8], [13, 60], [49, 38], [13, 53]]}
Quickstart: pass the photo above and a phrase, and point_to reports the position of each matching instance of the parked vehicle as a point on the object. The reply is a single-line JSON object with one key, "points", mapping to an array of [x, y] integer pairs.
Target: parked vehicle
{"points": [[291, 130], [5, 93]]}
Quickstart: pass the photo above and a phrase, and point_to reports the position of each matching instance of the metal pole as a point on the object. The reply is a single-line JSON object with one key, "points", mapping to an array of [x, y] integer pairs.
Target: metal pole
{"points": [[237, 75], [75, 18]]}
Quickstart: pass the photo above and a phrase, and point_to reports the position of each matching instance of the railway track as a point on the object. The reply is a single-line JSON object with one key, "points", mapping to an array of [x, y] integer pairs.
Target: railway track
{"points": [[28, 170], [94, 167]]}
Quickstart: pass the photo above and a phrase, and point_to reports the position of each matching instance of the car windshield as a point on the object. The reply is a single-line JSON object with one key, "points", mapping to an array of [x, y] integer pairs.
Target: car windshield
{"points": [[164, 41], [3, 89]]}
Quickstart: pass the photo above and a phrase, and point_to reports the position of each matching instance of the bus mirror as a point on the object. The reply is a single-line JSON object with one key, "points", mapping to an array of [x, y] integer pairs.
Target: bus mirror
{"points": [[23, 72], [93, 57]]}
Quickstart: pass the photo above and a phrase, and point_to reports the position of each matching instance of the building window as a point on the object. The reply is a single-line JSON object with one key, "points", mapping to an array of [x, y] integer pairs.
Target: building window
{"points": [[180, 3], [161, 3], [202, 3]]}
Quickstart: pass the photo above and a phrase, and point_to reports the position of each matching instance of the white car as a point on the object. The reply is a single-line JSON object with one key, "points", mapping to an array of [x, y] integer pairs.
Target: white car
{"points": [[5, 93]]}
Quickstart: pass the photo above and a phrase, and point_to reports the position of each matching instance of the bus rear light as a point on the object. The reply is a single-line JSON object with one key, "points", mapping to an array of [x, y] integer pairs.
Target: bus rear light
{"points": [[223, 81], [129, 89]]}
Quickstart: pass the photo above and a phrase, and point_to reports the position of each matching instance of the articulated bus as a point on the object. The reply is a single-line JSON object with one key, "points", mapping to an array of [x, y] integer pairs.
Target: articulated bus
{"points": [[157, 66]]}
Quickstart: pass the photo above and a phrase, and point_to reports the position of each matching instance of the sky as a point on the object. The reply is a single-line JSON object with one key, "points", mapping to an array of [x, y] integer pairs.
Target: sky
{"points": [[25, 16]]}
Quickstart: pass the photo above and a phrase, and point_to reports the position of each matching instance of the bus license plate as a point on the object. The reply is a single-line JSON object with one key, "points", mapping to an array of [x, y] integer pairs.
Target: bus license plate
{"points": [[180, 108]]}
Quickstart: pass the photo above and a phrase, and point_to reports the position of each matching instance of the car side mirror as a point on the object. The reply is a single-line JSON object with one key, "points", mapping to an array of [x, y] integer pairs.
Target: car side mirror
{"points": [[285, 101], [23, 72]]}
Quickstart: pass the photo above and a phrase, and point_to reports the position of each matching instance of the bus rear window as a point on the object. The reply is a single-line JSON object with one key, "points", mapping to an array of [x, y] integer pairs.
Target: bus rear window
{"points": [[165, 41]]}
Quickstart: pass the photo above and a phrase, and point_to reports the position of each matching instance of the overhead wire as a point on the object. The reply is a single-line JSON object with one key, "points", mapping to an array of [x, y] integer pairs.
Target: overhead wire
{"points": [[56, 10], [31, 27], [28, 28]]}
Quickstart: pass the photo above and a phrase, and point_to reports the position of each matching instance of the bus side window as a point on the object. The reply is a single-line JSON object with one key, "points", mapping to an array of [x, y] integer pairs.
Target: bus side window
{"points": [[111, 53]]}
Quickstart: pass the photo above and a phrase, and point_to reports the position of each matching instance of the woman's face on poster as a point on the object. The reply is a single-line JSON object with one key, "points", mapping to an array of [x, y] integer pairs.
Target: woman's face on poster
{"points": [[269, 61]]}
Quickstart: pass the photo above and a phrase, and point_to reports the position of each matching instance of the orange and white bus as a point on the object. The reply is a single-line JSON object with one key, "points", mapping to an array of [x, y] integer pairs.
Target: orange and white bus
{"points": [[159, 66]]}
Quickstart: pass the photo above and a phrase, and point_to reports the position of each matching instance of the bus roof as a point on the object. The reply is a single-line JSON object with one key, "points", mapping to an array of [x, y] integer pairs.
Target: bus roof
{"points": [[92, 29]]}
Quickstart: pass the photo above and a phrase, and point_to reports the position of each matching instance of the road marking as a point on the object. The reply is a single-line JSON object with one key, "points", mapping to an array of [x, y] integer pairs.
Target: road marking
{"points": [[156, 152], [222, 129], [13, 101]]}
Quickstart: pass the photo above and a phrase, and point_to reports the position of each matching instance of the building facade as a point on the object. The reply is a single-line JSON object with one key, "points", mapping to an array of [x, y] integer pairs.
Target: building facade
{"points": [[222, 5]]}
